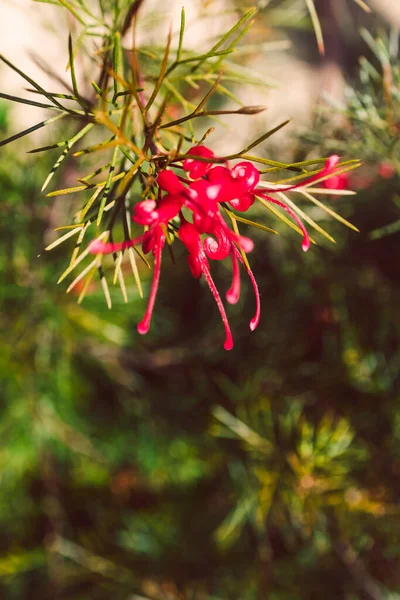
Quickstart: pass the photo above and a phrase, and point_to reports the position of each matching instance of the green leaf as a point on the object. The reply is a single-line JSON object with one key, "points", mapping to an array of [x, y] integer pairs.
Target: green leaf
{"points": [[281, 216], [208, 95], [30, 129], [69, 144], [306, 218], [26, 101], [119, 276], [53, 94], [71, 64], [82, 188], [224, 38], [135, 271], [233, 44], [107, 187], [317, 25], [229, 530], [32, 82], [50, 147], [83, 255], [63, 238], [203, 57], [252, 223], [73, 12], [106, 145], [239, 428], [79, 242], [105, 287], [181, 33], [211, 113], [89, 278], [347, 165], [90, 203], [329, 211], [389, 229], [161, 75], [91, 267], [258, 140], [116, 63], [378, 49], [229, 94], [94, 173]]}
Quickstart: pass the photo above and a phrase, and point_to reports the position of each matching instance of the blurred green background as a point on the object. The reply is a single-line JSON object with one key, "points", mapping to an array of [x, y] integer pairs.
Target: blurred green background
{"points": [[163, 467]]}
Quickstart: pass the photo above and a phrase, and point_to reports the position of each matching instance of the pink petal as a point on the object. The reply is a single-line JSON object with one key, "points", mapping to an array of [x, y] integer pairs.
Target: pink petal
{"points": [[247, 174], [169, 181], [144, 212], [197, 168], [243, 203]]}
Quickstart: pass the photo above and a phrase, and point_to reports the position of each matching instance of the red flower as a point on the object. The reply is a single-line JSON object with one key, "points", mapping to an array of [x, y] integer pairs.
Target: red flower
{"points": [[337, 182], [198, 265], [209, 186], [198, 168], [152, 240]]}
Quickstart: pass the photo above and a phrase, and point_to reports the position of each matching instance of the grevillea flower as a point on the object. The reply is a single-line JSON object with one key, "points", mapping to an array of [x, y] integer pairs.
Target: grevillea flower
{"points": [[198, 265], [198, 168], [337, 182], [152, 240], [208, 236]]}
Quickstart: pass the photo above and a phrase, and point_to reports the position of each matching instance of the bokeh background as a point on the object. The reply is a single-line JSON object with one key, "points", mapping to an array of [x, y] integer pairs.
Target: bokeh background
{"points": [[163, 467]]}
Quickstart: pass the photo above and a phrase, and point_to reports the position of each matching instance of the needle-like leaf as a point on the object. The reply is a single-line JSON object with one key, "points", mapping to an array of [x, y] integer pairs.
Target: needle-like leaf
{"points": [[32, 82], [21, 134], [65, 153], [162, 73]]}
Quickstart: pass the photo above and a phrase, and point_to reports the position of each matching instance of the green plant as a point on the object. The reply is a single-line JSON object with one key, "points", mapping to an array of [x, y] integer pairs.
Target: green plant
{"points": [[128, 119]]}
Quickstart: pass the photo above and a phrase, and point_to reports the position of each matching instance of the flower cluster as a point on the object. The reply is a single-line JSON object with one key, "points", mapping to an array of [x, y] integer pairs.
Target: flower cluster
{"points": [[206, 188]]}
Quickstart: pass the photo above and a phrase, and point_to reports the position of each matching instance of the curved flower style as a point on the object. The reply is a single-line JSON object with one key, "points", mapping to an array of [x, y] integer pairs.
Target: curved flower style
{"points": [[198, 265], [209, 186]]}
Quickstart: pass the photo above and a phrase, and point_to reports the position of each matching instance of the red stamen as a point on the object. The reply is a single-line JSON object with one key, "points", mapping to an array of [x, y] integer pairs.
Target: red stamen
{"points": [[329, 168], [228, 344], [99, 247], [306, 238], [256, 319], [198, 263], [144, 325], [233, 294]]}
